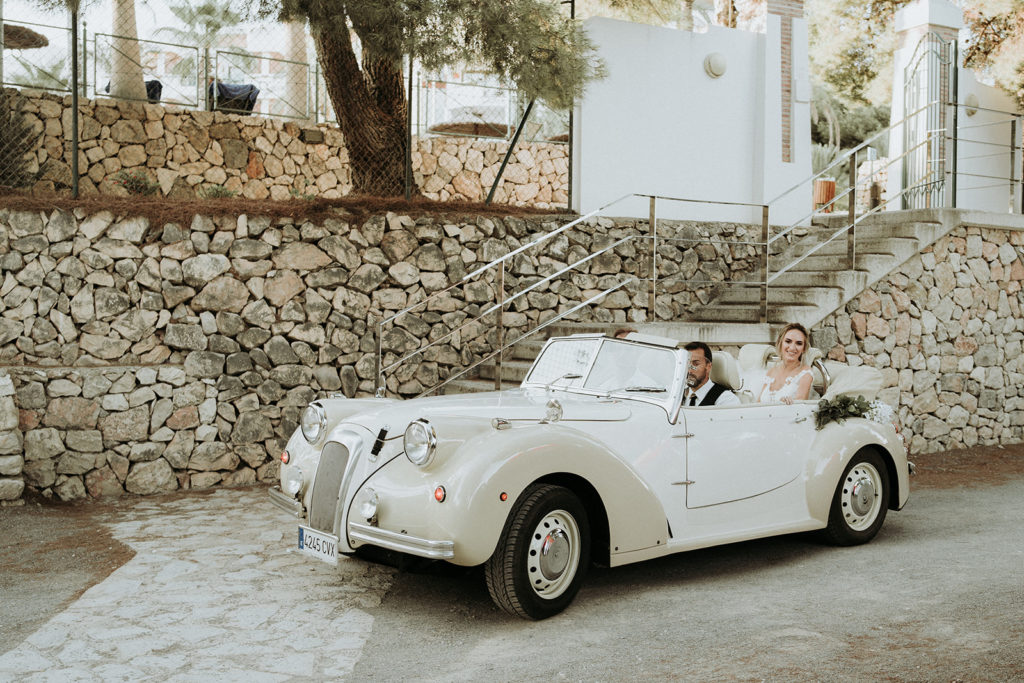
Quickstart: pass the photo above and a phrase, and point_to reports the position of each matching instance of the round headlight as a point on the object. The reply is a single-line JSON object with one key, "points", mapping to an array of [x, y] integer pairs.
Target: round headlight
{"points": [[291, 480], [313, 422], [420, 441]]}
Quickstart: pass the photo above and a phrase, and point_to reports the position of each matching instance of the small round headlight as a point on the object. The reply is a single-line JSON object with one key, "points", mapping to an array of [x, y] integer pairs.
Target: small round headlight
{"points": [[291, 480], [420, 442], [313, 422]]}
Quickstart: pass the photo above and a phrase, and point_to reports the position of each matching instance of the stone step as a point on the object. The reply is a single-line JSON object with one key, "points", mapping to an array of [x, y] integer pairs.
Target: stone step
{"points": [[826, 263], [732, 313], [840, 279], [782, 294], [511, 370], [875, 245]]}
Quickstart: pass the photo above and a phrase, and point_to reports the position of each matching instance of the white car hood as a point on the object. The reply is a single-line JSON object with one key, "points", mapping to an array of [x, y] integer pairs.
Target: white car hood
{"points": [[513, 405]]}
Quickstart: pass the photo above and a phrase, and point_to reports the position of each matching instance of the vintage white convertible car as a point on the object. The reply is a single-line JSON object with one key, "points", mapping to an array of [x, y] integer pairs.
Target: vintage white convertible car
{"points": [[592, 459]]}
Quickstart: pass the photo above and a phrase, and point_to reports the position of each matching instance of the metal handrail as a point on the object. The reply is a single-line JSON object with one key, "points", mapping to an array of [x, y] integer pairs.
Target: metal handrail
{"points": [[523, 336], [505, 302], [499, 265]]}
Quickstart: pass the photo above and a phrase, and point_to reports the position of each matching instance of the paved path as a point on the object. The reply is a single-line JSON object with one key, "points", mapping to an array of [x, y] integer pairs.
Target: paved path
{"points": [[214, 592]]}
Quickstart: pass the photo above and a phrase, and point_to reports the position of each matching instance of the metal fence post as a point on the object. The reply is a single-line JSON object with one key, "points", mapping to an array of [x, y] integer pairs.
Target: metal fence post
{"points": [[205, 82], [1013, 162], [653, 297], [851, 211], [83, 75], [408, 134], [501, 325], [74, 104], [764, 263]]}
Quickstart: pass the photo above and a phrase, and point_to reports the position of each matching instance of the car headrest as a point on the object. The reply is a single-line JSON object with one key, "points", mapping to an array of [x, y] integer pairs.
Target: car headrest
{"points": [[755, 356], [724, 370]]}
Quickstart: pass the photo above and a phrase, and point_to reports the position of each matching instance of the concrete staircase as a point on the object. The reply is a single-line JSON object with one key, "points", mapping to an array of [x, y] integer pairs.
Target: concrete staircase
{"points": [[817, 281]]}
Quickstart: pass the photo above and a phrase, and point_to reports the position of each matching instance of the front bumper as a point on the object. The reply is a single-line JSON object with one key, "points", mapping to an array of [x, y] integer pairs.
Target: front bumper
{"points": [[421, 547], [287, 503]]}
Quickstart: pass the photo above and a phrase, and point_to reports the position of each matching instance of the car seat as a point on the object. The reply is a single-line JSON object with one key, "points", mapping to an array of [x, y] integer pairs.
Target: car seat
{"points": [[725, 371]]}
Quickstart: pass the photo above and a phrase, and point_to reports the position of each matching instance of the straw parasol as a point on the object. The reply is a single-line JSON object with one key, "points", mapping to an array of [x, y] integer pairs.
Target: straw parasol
{"points": [[22, 38]]}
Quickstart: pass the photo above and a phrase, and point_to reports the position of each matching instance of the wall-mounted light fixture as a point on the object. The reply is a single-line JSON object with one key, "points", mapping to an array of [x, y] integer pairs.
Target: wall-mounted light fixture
{"points": [[971, 104], [714, 65]]}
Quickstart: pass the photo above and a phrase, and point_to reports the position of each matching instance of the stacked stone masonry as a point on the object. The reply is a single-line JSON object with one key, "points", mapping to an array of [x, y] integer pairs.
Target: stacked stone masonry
{"points": [[147, 358], [142, 359], [186, 151], [946, 330]]}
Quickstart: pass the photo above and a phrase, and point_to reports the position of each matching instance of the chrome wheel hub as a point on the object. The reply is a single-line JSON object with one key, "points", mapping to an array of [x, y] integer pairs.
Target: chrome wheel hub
{"points": [[861, 497], [553, 555]]}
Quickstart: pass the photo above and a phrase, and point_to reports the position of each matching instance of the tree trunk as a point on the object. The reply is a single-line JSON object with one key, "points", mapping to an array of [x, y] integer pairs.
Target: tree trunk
{"points": [[126, 79], [371, 107], [296, 94]]}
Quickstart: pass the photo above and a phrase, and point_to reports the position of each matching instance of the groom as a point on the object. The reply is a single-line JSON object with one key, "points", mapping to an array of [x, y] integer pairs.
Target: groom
{"points": [[700, 390]]}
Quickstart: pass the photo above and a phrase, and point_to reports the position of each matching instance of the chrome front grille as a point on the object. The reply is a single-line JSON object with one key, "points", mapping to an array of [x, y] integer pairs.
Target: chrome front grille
{"points": [[327, 487]]}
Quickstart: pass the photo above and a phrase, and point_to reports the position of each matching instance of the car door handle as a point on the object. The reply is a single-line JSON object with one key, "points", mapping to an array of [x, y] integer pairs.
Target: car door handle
{"points": [[801, 418]]}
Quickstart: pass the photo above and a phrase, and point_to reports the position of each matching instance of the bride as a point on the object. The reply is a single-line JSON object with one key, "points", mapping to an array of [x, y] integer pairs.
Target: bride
{"points": [[790, 380]]}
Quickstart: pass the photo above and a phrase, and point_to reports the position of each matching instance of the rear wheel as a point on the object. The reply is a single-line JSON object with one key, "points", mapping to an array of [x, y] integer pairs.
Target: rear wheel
{"points": [[542, 555], [860, 501]]}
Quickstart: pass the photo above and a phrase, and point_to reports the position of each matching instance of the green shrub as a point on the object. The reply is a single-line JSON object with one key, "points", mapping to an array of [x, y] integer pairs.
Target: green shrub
{"points": [[216, 191], [17, 141], [137, 182], [301, 194]]}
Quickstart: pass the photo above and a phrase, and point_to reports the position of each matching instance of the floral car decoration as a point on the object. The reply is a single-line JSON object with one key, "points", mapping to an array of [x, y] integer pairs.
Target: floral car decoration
{"points": [[592, 459]]}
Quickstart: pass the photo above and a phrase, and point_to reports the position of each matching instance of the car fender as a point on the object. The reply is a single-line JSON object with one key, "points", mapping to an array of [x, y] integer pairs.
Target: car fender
{"points": [[502, 463], [835, 445]]}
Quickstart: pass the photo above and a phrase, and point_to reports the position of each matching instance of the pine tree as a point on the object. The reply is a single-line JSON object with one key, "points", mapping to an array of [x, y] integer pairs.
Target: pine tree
{"points": [[531, 44]]}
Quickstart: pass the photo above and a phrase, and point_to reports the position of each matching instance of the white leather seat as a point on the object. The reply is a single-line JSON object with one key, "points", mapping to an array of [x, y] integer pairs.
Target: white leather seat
{"points": [[724, 370], [755, 356]]}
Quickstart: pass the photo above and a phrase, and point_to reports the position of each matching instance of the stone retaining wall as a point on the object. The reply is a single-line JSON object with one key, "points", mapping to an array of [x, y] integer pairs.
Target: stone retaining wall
{"points": [[145, 360], [185, 150], [946, 330]]}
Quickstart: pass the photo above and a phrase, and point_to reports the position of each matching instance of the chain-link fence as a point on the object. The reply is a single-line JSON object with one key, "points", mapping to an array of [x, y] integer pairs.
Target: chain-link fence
{"points": [[202, 56]]}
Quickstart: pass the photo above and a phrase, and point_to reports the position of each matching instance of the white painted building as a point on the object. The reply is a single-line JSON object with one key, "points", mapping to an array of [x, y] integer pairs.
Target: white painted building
{"points": [[721, 116]]}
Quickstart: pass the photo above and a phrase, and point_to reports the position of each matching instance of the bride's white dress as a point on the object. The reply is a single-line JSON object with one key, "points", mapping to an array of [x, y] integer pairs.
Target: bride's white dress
{"points": [[787, 390]]}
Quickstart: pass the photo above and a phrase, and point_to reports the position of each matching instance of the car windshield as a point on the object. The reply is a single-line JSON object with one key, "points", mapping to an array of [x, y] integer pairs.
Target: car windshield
{"points": [[564, 362], [603, 364]]}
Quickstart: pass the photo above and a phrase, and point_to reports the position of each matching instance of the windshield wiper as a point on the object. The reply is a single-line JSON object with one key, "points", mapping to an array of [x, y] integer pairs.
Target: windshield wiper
{"points": [[648, 390], [568, 375]]}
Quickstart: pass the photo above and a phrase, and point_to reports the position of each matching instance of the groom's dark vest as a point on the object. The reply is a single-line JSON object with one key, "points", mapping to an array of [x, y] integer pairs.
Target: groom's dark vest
{"points": [[714, 392]]}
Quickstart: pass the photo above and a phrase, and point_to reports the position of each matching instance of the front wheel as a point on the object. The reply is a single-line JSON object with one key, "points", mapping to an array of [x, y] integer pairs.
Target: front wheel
{"points": [[860, 501], [542, 555]]}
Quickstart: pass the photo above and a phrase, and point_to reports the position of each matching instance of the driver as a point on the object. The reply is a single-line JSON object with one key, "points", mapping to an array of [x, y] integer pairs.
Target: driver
{"points": [[700, 390]]}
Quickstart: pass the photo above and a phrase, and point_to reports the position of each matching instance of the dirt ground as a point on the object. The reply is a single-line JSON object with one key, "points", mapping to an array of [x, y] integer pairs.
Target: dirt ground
{"points": [[51, 553]]}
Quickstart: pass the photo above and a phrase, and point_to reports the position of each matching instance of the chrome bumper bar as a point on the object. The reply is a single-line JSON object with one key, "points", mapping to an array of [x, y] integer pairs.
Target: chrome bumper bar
{"points": [[403, 543], [287, 503]]}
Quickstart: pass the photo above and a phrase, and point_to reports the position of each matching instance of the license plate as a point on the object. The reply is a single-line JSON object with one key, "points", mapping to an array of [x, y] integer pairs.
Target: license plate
{"points": [[318, 544]]}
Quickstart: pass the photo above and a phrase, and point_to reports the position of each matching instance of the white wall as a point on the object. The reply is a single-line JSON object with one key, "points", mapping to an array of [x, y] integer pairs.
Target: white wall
{"points": [[658, 124], [983, 149]]}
